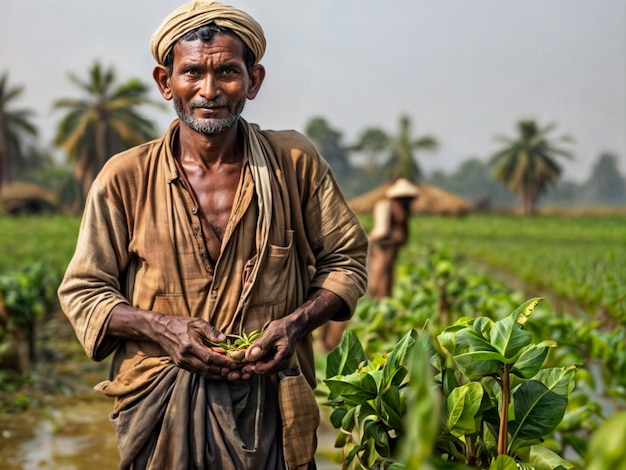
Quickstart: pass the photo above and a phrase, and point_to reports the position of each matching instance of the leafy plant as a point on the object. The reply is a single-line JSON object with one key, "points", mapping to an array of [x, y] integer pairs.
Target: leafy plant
{"points": [[27, 295], [368, 400], [499, 400]]}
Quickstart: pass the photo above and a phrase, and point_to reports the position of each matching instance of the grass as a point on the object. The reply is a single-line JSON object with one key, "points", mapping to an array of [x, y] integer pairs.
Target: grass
{"points": [[29, 239], [578, 258]]}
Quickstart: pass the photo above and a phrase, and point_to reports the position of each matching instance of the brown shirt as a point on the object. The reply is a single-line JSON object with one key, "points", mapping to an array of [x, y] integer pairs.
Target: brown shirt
{"points": [[141, 243]]}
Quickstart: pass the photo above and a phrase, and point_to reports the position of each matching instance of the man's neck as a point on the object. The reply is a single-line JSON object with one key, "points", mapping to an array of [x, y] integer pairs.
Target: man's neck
{"points": [[225, 147]]}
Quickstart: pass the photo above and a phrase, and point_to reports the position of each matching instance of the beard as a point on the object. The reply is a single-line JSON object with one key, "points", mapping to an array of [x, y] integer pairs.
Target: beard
{"points": [[207, 126]]}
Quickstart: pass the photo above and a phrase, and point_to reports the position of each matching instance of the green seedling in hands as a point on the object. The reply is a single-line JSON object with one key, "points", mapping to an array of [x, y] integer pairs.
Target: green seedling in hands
{"points": [[235, 346]]}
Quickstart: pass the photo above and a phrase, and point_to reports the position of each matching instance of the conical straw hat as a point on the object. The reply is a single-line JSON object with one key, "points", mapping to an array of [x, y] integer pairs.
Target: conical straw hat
{"points": [[402, 187]]}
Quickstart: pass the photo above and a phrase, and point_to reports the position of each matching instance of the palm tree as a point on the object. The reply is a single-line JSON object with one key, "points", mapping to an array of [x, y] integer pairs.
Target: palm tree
{"points": [[328, 141], [15, 126], [527, 164], [403, 162], [372, 142], [102, 123]]}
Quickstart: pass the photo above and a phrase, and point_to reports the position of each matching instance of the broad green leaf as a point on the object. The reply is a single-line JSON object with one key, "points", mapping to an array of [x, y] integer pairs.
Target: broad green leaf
{"points": [[503, 462], [471, 340], [557, 379], [337, 416], [447, 338], [346, 357], [473, 368], [538, 411], [449, 381], [397, 358], [531, 359], [543, 458], [394, 399], [354, 388], [483, 326], [461, 408], [347, 422], [507, 336]]}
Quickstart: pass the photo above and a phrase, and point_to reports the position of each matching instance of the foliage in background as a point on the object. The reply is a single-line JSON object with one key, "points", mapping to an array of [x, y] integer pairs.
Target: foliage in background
{"points": [[527, 164], [26, 296], [16, 129], [581, 259], [103, 122], [29, 239]]}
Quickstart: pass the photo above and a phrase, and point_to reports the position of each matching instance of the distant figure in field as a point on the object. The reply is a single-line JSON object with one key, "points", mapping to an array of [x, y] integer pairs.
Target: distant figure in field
{"points": [[390, 233]]}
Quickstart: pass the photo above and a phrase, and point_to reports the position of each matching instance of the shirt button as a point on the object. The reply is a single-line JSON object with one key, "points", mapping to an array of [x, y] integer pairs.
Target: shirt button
{"points": [[194, 210], [196, 228]]}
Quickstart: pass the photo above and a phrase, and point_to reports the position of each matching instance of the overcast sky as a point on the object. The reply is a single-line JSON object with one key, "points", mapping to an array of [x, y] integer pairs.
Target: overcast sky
{"points": [[464, 70]]}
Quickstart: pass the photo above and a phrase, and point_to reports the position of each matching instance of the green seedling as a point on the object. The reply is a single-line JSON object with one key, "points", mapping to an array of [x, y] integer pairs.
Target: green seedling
{"points": [[236, 345]]}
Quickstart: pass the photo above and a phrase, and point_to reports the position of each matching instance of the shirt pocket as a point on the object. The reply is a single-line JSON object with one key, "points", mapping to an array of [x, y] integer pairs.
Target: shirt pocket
{"points": [[170, 304], [276, 278]]}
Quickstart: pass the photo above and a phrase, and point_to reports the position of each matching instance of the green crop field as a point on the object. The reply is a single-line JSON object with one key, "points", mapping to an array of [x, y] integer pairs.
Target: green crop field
{"points": [[26, 240], [581, 259]]}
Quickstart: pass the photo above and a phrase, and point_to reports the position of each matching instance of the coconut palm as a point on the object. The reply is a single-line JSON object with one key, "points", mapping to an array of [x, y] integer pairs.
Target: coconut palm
{"points": [[403, 147], [15, 126], [372, 142], [527, 164], [102, 123], [328, 141]]}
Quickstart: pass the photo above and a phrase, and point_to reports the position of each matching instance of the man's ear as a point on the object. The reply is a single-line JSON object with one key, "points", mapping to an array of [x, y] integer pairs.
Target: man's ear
{"points": [[162, 78], [256, 80]]}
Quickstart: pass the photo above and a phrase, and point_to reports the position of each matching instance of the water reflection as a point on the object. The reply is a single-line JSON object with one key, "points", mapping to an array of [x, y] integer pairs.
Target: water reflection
{"points": [[71, 435]]}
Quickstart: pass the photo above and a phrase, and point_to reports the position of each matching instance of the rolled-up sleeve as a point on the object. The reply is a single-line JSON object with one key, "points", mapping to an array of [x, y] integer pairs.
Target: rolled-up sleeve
{"points": [[340, 243], [91, 285]]}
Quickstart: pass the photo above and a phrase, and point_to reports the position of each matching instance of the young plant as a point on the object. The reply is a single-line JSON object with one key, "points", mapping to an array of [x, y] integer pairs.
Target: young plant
{"points": [[235, 346], [499, 400], [368, 400]]}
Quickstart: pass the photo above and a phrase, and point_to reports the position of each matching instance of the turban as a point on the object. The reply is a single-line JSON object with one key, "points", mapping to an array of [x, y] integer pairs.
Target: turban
{"points": [[199, 13]]}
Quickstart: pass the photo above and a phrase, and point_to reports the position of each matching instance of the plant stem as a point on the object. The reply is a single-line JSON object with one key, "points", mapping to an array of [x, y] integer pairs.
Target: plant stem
{"points": [[504, 412]]}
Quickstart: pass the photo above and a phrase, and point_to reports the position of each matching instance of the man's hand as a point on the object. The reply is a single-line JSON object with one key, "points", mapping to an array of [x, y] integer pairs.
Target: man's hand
{"points": [[182, 338], [272, 352]]}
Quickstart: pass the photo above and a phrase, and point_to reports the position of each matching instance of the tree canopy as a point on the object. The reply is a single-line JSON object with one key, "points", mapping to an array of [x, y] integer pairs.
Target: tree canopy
{"points": [[527, 164], [103, 122], [15, 128]]}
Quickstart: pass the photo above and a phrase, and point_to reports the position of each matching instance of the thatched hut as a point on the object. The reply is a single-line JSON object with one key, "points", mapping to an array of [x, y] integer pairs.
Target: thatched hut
{"points": [[27, 198], [431, 200]]}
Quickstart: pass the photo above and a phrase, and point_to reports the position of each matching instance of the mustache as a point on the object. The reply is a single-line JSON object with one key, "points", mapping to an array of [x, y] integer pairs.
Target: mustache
{"points": [[204, 103]]}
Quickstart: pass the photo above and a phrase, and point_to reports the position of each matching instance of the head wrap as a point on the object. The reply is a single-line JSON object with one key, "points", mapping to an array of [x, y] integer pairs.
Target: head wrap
{"points": [[199, 13]]}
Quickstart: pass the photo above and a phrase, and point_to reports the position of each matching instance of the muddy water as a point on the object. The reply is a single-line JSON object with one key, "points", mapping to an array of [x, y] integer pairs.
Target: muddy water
{"points": [[73, 434], [69, 435]]}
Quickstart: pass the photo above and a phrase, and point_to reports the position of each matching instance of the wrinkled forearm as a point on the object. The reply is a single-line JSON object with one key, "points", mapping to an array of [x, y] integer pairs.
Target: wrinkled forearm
{"points": [[130, 323], [321, 306]]}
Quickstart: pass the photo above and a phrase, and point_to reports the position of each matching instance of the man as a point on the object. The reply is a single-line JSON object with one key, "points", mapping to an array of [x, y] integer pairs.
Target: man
{"points": [[389, 234], [217, 228]]}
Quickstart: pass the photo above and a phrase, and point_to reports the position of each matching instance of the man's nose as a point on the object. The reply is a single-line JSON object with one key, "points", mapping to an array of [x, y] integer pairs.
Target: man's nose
{"points": [[209, 88]]}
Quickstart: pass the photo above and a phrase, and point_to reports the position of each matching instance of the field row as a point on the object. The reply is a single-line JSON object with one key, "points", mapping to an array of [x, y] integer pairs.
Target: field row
{"points": [[579, 259]]}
